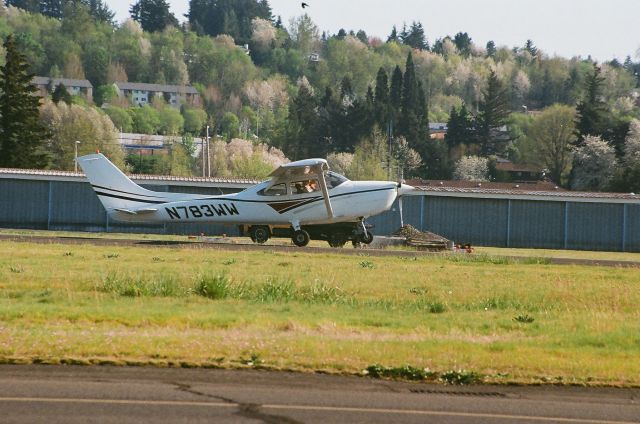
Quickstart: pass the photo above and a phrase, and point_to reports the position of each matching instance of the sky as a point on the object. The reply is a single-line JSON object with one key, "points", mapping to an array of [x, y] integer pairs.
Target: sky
{"points": [[604, 29]]}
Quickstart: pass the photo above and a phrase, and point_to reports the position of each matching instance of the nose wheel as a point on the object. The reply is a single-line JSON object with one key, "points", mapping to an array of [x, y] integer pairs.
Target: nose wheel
{"points": [[300, 238], [366, 238]]}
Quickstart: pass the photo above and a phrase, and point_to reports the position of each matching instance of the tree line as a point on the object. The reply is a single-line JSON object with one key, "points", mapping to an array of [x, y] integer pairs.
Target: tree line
{"points": [[308, 92]]}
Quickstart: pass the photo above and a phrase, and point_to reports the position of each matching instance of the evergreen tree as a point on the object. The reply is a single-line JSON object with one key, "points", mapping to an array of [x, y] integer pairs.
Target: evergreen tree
{"points": [[592, 110], [404, 33], [231, 17], [362, 36], [100, 11], [493, 112], [61, 93], [32, 6], [415, 37], [22, 137], [395, 94], [153, 15], [459, 127], [531, 48], [52, 8], [302, 140], [408, 125], [491, 49], [393, 36], [381, 99], [463, 43], [56, 8]]}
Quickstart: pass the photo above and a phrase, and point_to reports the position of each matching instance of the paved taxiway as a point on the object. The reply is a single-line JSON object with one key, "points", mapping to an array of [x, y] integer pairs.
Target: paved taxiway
{"points": [[72, 394]]}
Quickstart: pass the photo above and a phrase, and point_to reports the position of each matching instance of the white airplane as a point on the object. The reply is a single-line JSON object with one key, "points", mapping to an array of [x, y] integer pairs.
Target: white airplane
{"points": [[311, 201]]}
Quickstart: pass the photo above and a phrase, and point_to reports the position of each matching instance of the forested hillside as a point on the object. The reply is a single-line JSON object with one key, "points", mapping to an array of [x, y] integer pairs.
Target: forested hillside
{"points": [[346, 96]]}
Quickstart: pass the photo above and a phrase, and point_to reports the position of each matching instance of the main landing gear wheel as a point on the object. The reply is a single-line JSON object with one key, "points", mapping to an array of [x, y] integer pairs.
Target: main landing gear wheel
{"points": [[337, 239], [300, 238], [259, 233], [366, 238]]}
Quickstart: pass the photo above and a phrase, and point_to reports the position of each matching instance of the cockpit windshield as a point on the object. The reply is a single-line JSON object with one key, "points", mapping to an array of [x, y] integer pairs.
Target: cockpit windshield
{"points": [[334, 179]]}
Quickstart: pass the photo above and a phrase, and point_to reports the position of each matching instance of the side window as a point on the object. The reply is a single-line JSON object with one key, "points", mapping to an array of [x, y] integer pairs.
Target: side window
{"points": [[276, 190], [304, 186]]}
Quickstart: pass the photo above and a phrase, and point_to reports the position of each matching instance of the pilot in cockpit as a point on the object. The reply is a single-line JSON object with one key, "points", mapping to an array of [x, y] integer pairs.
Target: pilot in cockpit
{"points": [[311, 186]]}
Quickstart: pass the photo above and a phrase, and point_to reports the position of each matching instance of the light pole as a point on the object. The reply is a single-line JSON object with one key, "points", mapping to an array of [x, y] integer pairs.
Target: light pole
{"points": [[75, 156], [208, 154]]}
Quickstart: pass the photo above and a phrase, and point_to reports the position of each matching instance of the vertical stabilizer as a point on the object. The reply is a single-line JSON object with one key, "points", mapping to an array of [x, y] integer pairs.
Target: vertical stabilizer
{"points": [[114, 189]]}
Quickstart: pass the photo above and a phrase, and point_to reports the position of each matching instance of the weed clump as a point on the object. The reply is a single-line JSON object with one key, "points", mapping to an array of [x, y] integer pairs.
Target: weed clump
{"points": [[213, 286], [320, 293], [126, 285], [409, 372], [276, 291], [366, 264], [406, 372], [524, 318], [460, 377], [431, 306]]}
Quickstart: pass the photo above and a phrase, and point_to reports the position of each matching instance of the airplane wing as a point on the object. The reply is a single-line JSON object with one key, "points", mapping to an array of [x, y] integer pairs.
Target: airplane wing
{"points": [[300, 168], [304, 169]]}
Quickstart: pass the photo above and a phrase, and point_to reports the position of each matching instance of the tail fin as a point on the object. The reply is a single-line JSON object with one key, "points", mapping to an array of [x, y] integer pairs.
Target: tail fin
{"points": [[114, 189]]}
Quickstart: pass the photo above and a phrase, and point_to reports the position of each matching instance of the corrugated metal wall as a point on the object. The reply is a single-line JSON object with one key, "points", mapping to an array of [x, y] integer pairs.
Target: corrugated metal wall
{"points": [[68, 205]]}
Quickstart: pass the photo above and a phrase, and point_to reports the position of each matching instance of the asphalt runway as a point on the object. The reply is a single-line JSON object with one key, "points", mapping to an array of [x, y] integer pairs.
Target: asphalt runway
{"points": [[252, 247], [75, 394]]}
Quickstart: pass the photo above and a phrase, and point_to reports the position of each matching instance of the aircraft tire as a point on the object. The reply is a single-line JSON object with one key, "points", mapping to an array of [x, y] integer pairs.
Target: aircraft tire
{"points": [[337, 239], [300, 238], [259, 234], [366, 238]]}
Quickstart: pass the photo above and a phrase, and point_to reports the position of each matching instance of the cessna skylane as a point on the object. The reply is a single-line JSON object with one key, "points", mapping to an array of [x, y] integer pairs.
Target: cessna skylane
{"points": [[304, 196]]}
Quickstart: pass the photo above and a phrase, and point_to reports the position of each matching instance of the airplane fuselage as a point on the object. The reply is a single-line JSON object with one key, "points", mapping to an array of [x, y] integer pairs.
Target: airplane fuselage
{"points": [[350, 200]]}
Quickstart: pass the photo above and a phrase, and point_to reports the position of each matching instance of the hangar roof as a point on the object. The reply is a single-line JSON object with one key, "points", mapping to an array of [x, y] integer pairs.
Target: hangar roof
{"points": [[42, 174]]}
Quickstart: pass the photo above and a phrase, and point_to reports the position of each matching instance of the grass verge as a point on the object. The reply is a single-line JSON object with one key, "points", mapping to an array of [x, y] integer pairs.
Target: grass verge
{"points": [[456, 322]]}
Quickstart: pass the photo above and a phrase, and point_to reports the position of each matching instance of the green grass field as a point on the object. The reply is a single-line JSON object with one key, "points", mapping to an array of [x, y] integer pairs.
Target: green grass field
{"points": [[485, 319]]}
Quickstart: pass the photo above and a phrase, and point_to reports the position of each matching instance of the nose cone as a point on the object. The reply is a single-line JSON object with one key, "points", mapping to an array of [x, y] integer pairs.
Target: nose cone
{"points": [[405, 189]]}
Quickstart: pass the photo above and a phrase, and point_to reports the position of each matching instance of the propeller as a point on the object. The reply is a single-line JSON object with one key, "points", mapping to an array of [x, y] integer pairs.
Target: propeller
{"points": [[402, 189]]}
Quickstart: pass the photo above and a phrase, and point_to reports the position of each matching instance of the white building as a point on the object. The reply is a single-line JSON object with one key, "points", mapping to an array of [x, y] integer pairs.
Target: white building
{"points": [[141, 93]]}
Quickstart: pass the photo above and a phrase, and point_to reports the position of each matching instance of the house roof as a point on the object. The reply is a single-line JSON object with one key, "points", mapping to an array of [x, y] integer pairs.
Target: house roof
{"points": [[517, 167], [67, 82], [186, 89]]}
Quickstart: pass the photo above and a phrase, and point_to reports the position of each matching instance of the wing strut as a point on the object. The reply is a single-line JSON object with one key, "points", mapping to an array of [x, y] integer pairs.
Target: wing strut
{"points": [[325, 191]]}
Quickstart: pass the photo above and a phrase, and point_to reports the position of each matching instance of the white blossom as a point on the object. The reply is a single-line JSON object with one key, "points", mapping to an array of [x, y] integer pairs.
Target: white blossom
{"points": [[471, 168]]}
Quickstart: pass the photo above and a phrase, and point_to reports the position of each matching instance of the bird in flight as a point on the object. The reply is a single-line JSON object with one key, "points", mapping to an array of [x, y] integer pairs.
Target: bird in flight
{"points": [[304, 5]]}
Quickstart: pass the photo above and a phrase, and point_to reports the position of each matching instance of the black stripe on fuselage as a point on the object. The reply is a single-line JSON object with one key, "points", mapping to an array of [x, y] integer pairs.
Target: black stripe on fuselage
{"points": [[315, 199], [124, 192], [116, 196], [233, 199]]}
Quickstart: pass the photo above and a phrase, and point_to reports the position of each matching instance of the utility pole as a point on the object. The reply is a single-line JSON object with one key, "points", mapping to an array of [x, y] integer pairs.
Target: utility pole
{"points": [[75, 156]]}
